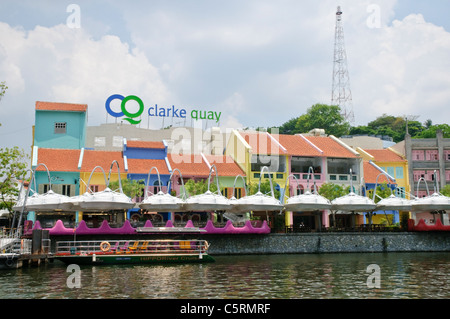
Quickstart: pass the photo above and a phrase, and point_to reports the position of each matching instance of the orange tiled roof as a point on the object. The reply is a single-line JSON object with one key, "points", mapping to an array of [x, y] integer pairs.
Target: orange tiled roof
{"points": [[371, 173], [189, 164], [145, 144], [58, 160], [261, 143], [385, 155], [330, 147], [143, 166], [93, 158], [225, 165], [56, 106], [297, 146]]}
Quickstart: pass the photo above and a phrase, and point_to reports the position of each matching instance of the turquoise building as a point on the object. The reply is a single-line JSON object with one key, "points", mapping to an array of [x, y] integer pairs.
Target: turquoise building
{"points": [[58, 141], [60, 125]]}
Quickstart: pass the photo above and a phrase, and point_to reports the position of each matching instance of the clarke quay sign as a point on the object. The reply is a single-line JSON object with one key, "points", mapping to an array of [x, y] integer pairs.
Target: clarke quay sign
{"points": [[155, 110]]}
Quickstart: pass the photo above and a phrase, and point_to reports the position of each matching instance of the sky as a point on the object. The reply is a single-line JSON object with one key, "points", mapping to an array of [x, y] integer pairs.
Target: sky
{"points": [[257, 62]]}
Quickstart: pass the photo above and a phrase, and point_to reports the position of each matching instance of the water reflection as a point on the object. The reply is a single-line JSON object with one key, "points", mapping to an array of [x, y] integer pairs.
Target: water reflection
{"points": [[403, 275]]}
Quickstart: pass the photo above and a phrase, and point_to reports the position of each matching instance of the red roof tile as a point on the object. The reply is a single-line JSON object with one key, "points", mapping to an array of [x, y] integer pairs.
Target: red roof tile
{"points": [[56, 106], [385, 155], [225, 165], [189, 164], [58, 160], [145, 144], [371, 174], [261, 143], [297, 146], [330, 147], [143, 166], [104, 159]]}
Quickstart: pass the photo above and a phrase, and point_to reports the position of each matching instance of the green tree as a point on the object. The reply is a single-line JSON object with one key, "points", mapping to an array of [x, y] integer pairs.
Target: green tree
{"points": [[388, 125], [13, 168], [131, 187], [199, 187], [265, 188], [289, 127], [383, 191], [327, 117], [431, 131], [445, 190], [332, 191]]}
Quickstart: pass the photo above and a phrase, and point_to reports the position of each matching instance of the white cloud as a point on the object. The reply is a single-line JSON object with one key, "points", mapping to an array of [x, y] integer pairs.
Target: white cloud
{"points": [[404, 71], [66, 65]]}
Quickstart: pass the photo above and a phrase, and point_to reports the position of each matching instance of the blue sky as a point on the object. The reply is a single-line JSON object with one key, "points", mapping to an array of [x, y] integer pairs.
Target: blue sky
{"points": [[259, 62], [433, 11]]}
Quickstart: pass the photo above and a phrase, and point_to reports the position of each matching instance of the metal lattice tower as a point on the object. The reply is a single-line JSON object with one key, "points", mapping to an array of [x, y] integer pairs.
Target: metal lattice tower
{"points": [[341, 94]]}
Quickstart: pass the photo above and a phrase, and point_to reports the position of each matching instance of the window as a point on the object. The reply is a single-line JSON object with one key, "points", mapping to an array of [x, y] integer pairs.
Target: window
{"points": [[400, 192], [399, 172], [390, 170], [43, 188], [274, 163], [432, 155], [418, 155], [117, 141], [418, 175], [66, 190], [447, 155], [99, 141], [60, 127]]}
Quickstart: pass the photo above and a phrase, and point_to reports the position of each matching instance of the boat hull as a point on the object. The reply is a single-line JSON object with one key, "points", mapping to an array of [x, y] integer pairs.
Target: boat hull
{"points": [[114, 259]]}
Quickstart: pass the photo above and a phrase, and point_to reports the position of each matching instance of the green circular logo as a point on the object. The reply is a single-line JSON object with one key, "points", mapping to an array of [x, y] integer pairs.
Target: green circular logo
{"points": [[134, 98]]}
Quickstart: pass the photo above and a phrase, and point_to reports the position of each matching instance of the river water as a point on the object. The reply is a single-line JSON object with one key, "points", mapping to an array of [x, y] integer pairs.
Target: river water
{"points": [[302, 276]]}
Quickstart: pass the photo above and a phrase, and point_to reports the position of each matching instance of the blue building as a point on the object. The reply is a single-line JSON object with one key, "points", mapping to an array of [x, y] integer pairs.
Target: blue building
{"points": [[141, 157]]}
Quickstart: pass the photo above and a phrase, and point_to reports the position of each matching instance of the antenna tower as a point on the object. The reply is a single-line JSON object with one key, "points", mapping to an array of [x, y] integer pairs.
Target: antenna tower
{"points": [[340, 93]]}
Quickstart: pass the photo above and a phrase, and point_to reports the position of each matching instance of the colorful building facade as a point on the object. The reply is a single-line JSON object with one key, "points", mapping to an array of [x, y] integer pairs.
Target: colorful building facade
{"points": [[377, 163], [291, 159]]}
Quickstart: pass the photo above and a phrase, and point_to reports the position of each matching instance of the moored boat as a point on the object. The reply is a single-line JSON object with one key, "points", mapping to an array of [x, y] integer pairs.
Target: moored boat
{"points": [[133, 251]]}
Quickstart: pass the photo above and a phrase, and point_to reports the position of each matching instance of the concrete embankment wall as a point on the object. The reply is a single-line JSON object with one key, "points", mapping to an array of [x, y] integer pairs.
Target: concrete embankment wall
{"points": [[329, 243], [240, 244]]}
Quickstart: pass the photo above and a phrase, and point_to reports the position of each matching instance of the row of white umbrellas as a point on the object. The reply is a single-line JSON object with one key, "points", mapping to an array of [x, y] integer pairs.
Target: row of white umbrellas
{"points": [[214, 201]]}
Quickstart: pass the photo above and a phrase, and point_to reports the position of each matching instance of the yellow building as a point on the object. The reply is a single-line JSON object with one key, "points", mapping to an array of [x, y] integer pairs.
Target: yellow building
{"points": [[90, 159], [394, 164], [253, 150]]}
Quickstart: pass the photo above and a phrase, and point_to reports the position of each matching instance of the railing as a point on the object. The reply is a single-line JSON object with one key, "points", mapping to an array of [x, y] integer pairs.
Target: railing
{"points": [[19, 246], [131, 247], [305, 176], [342, 177]]}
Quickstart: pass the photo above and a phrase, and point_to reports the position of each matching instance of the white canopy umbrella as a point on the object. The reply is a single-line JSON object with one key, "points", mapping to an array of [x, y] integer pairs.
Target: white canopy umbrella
{"points": [[208, 201], [308, 201], [103, 200], [433, 202], [394, 203], [353, 203], [49, 201], [259, 201], [161, 201]]}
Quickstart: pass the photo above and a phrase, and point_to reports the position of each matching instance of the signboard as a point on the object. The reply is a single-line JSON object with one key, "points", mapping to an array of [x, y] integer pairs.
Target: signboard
{"points": [[155, 111]]}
